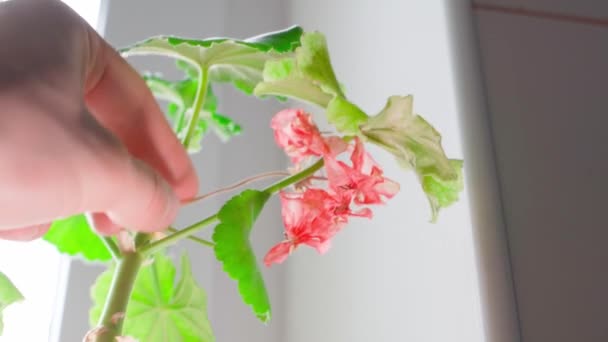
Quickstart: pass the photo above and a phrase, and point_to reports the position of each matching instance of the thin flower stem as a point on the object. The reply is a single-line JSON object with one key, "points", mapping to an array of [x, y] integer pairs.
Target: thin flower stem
{"points": [[196, 239], [306, 173], [180, 234], [112, 247], [239, 184]]}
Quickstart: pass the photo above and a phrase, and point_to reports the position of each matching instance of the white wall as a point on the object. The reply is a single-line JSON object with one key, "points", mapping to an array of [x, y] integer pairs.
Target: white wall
{"points": [[396, 278]]}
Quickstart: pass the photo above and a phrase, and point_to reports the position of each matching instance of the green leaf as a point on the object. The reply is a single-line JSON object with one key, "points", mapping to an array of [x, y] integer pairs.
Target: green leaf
{"points": [[74, 236], [239, 62], [313, 61], [224, 127], [345, 116], [233, 248], [413, 141], [307, 76], [181, 96], [416, 145], [9, 294], [160, 309], [442, 193], [281, 78]]}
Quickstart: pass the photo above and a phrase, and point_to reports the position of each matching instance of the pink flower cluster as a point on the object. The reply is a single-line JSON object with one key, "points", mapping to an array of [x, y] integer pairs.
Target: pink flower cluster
{"points": [[313, 216]]}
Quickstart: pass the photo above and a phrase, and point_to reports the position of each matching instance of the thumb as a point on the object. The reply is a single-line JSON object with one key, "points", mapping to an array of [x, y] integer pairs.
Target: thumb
{"points": [[134, 196]]}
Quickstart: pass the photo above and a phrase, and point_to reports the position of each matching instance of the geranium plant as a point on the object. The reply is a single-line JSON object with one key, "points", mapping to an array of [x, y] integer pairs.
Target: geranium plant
{"points": [[332, 180]]}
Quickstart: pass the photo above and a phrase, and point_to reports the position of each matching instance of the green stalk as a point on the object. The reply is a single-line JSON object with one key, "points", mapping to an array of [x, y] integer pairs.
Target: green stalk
{"points": [[196, 239], [199, 100], [180, 234], [300, 176], [115, 307], [111, 246]]}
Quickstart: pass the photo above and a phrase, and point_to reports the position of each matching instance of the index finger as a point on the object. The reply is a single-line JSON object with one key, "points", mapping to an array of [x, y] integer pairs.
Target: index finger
{"points": [[120, 100]]}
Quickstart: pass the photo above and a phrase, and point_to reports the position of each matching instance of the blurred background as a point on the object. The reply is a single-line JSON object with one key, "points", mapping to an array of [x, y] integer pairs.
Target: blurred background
{"points": [[507, 83]]}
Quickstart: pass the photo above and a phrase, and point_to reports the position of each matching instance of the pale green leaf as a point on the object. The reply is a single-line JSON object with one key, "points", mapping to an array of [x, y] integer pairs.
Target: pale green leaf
{"points": [[308, 76], [442, 193], [9, 294], [345, 116], [160, 308], [233, 248], [413, 141], [74, 236], [313, 61], [282, 79], [416, 145]]}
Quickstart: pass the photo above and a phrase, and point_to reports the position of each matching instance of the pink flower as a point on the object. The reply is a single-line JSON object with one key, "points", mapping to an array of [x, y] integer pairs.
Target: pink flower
{"points": [[309, 219], [296, 133], [363, 180], [314, 216]]}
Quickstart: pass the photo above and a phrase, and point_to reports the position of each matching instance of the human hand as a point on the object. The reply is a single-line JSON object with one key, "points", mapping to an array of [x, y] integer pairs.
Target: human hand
{"points": [[79, 130]]}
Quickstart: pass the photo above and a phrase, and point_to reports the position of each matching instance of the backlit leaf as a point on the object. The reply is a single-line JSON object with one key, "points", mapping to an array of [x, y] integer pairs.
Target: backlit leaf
{"points": [[9, 294], [161, 308], [74, 236]]}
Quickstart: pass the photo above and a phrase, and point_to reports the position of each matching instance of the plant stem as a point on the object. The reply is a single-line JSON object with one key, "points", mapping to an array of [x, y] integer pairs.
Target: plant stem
{"points": [[196, 239], [199, 100], [181, 234], [113, 313], [309, 171], [239, 184], [112, 247]]}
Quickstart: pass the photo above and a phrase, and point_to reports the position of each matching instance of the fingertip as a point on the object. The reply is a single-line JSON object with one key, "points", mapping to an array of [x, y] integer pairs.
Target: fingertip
{"points": [[187, 187], [149, 203], [103, 224], [26, 233]]}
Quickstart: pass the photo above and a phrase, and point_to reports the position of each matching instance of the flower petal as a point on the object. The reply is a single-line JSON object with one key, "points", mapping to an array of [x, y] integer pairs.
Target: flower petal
{"points": [[278, 253]]}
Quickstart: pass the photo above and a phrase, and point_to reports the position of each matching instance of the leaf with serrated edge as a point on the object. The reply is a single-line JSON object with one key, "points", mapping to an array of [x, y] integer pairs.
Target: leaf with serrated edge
{"points": [[308, 76], [239, 62], [74, 236], [414, 143], [233, 248], [160, 308], [9, 294]]}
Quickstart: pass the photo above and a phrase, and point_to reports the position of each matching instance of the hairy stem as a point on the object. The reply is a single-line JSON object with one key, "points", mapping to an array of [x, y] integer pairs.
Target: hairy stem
{"points": [[199, 100]]}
